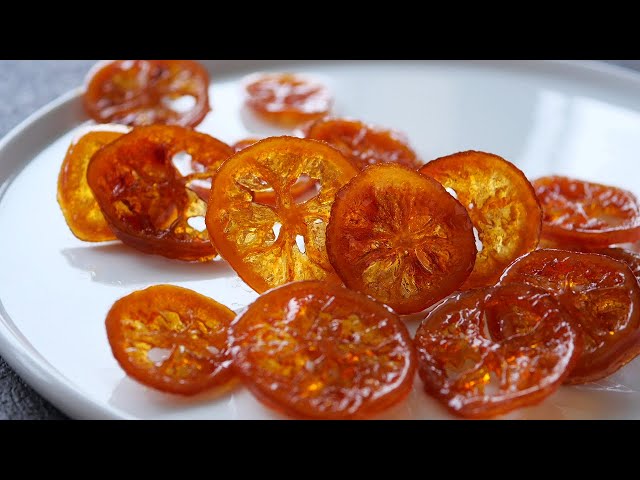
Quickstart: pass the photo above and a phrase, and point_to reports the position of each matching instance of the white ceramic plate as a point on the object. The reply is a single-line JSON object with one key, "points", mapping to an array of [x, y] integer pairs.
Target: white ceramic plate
{"points": [[547, 117]]}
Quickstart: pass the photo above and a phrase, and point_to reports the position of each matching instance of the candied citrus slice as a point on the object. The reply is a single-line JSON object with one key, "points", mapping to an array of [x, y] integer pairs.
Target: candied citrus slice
{"points": [[364, 144], [146, 92], [171, 339], [79, 207], [272, 243], [624, 252], [287, 99], [630, 258], [400, 237], [587, 213], [316, 350], [488, 351], [305, 187], [600, 294], [502, 206], [152, 185]]}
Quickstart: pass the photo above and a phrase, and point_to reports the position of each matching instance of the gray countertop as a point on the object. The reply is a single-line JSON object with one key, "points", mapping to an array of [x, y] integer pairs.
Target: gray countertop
{"points": [[25, 86]]}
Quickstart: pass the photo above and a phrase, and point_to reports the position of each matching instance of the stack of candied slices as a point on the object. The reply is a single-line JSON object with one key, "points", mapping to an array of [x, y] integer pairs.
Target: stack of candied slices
{"points": [[344, 233]]}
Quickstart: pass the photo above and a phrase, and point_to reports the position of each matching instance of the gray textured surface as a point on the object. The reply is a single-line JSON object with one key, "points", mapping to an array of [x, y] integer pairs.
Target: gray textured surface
{"points": [[25, 86]]}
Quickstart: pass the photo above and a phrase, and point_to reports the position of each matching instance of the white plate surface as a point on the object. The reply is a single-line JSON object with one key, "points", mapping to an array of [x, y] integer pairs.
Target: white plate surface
{"points": [[547, 117]]}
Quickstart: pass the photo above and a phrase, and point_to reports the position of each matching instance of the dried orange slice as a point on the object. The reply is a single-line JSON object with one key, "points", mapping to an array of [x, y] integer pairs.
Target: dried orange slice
{"points": [[315, 350], [147, 92], [272, 243], [400, 237], [502, 206], [287, 99], [301, 188], [152, 185], [364, 144], [600, 294], [79, 207], [587, 213], [172, 339], [486, 352], [626, 253]]}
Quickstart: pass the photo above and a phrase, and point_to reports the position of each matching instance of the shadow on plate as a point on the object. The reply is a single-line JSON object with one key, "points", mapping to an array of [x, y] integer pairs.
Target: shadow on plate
{"points": [[231, 401], [420, 405], [601, 400], [147, 400], [117, 264], [625, 380]]}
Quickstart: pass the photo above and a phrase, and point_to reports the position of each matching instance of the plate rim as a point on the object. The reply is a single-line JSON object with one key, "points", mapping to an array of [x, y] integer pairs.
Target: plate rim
{"points": [[15, 348]]}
